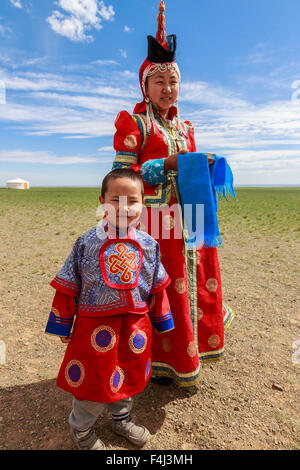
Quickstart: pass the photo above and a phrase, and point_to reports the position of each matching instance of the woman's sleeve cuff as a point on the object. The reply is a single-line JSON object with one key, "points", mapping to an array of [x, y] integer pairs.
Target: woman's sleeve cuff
{"points": [[153, 171], [162, 324]]}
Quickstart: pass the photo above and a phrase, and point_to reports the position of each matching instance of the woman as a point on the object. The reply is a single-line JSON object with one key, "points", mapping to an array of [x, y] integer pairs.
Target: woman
{"points": [[149, 142]]}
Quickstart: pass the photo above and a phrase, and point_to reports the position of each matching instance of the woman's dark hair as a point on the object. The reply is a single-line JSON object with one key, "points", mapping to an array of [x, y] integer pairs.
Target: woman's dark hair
{"points": [[121, 173]]}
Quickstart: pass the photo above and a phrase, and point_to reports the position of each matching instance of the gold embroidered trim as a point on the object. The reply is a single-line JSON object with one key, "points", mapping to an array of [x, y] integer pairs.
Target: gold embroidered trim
{"points": [[211, 355], [186, 379], [140, 122], [126, 158]]}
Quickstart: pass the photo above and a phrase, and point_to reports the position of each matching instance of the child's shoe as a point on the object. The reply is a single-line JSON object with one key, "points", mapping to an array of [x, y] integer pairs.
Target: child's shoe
{"points": [[86, 440], [135, 433]]}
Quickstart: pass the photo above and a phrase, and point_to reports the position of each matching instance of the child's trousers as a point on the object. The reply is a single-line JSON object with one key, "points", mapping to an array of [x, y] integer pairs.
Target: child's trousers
{"points": [[85, 413]]}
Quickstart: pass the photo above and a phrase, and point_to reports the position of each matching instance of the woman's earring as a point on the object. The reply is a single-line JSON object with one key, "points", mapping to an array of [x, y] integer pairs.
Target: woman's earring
{"points": [[147, 99]]}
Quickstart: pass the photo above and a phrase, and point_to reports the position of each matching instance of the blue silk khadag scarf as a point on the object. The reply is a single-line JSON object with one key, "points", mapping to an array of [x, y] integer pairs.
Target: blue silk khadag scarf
{"points": [[198, 185]]}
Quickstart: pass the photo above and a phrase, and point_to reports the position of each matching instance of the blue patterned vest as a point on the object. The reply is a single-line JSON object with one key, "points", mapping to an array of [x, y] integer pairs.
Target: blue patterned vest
{"points": [[110, 276]]}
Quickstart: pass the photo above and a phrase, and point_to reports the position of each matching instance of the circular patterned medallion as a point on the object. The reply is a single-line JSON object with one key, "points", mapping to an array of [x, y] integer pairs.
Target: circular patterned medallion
{"points": [[103, 338], [117, 379], [179, 285], [192, 349], [212, 285], [200, 313], [138, 341], [148, 367], [130, 141], [213, 341], [74, 373]]}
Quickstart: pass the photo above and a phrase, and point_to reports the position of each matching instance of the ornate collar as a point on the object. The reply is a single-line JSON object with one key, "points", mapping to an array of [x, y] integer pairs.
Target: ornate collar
{"points": [[105, 230]]}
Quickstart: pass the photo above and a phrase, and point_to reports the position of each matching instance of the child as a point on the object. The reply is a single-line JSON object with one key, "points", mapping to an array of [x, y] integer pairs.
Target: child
{"points": [[111, 276]]}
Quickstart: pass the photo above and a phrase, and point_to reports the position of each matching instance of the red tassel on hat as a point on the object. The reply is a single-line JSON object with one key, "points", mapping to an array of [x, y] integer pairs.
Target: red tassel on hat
{"points": [[161, 35]]}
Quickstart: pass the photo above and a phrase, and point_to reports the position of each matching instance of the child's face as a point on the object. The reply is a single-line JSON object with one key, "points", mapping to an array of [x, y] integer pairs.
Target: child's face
{"points": [[122, 202]]}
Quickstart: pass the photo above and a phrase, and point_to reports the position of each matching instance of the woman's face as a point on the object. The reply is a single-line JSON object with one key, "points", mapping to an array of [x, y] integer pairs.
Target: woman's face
{"points": [[162, 89]]}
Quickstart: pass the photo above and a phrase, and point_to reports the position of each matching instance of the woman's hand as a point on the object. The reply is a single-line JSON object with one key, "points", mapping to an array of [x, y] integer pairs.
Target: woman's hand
{"points": [[210, 158], [170, 163]]}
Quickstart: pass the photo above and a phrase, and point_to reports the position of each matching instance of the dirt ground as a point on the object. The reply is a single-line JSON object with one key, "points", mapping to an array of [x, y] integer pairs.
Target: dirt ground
{"points": [[249, 400]]}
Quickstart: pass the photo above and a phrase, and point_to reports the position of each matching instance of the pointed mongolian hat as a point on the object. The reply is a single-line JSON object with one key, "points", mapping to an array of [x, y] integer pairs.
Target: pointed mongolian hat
{"points": [[162, 48]]}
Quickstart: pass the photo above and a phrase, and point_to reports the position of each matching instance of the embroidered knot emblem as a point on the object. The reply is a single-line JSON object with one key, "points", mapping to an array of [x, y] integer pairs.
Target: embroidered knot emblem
{"points": [[124, 262]]}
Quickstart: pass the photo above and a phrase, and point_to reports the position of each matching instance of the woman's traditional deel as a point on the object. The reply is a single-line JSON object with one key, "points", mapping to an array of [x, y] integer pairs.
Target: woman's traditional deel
{"points": [[161, 147]]}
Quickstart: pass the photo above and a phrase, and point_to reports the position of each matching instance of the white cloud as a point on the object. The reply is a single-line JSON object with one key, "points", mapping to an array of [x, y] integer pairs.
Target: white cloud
{"points": [[210, 95], [127, 29], [259, 140], [107, 13], [130, 75], [106, 149], [118, 85], [260, 56], [16, 3], [104, 62], [70, 27], [59, 120], [123, 53], [76, 107], [29, 81], [86, 126], [4, 30], [109, 105], [45, 157], [2, 93], [79, 16], [19, 61]]}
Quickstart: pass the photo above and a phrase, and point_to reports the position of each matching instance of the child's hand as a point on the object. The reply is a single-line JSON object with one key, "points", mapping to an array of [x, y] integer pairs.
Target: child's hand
{"points": [[66, 339]]}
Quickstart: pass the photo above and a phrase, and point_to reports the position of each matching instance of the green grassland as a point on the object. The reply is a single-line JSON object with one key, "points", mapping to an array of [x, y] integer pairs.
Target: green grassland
{"points": [[264, 211]]}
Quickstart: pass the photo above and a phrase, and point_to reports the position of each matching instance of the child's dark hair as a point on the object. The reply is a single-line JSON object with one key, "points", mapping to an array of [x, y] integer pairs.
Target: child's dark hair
{"points": [[121, 173]]}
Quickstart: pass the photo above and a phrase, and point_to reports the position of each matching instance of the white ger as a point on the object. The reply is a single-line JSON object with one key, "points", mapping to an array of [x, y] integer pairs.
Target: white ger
{"points": [[17, 183]]}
